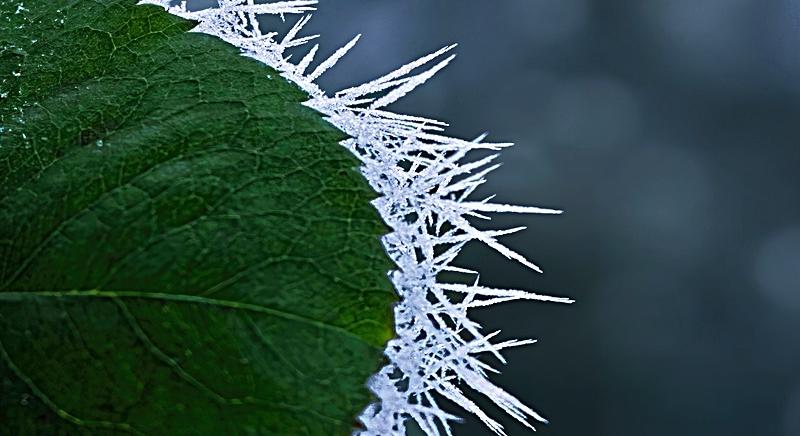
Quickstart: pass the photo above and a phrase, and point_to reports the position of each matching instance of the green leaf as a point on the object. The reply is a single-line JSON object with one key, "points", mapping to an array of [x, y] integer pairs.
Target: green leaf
{"points": [[184, 247]]}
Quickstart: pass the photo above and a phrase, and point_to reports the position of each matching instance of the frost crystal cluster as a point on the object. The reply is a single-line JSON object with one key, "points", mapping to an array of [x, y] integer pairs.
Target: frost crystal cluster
{"points": [[424, 183]]}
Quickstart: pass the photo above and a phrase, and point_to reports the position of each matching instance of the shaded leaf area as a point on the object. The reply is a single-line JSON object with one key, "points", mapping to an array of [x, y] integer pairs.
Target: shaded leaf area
{"points": [[184, 248]]}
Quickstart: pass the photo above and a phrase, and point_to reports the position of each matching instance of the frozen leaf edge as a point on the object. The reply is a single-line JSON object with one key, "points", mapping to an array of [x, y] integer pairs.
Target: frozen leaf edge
{"points": [[424, 185]]}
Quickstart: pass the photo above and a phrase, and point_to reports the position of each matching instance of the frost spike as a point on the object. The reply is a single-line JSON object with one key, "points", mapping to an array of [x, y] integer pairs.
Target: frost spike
{"points": [[307, 59], [493, 207], [409, 86], [296, 29], [505, 293], [331, 61], [400, 72]]}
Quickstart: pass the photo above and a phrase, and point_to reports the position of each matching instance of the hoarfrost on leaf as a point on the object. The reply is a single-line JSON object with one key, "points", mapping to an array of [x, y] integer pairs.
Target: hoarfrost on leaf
{"points": [[425, 180]]}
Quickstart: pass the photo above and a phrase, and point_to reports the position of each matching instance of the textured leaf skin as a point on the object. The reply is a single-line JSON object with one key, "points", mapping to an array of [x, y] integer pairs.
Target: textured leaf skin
{"points": [[184, 248]]}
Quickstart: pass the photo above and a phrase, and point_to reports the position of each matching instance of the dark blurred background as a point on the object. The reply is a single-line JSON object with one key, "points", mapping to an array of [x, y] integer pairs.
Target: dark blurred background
{"points": [[669, 131]]}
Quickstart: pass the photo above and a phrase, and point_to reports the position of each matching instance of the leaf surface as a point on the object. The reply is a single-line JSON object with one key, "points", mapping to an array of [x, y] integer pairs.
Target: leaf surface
{"points": [[184, 247]]}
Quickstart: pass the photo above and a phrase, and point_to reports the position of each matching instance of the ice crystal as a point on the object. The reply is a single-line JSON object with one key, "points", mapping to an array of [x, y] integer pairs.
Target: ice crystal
{"points": [[425, 180]]}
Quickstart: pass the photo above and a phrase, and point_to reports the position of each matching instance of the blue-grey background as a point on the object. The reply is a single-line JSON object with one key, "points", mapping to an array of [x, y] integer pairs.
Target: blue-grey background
{"points": [[669, 130]]}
